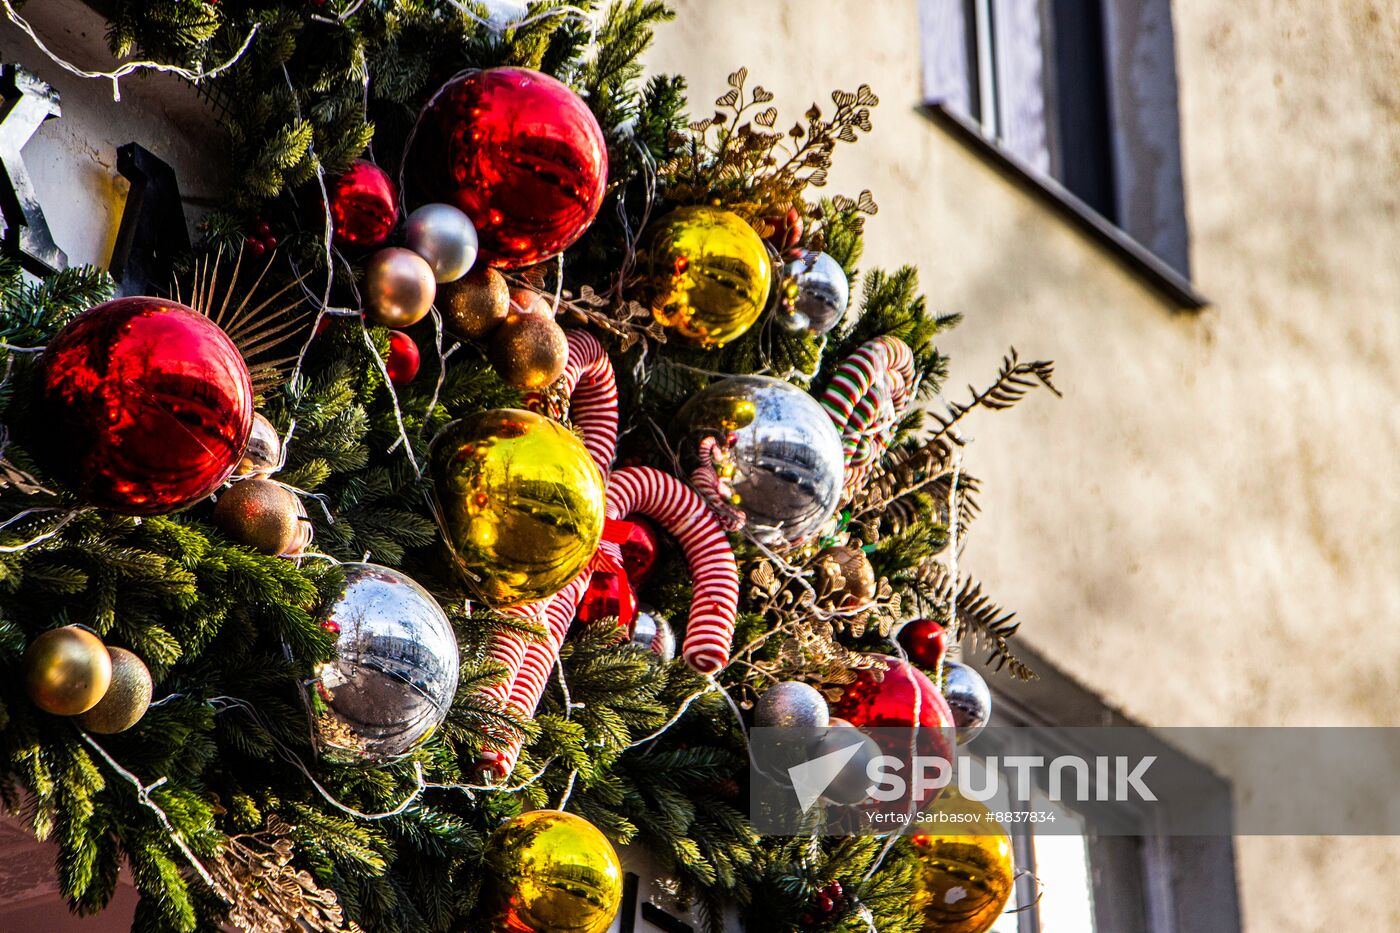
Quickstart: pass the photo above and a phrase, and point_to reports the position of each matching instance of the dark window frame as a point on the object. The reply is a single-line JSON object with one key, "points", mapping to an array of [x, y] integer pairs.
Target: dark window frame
{"points": [[1141, 884], [1097, 123]]}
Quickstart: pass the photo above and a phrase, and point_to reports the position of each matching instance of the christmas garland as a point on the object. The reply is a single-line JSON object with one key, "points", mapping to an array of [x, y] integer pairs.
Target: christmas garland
{"points": [[341, 582]]}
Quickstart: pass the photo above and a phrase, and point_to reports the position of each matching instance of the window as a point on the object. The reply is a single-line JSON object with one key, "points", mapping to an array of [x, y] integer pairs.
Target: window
{"points": [[1092, 883], [1078, 99]]}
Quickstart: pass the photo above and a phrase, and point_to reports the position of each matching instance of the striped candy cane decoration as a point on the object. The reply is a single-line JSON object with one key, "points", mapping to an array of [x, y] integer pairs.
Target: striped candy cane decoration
{"points": [[713, 571], [881, 369], [589, 381]]}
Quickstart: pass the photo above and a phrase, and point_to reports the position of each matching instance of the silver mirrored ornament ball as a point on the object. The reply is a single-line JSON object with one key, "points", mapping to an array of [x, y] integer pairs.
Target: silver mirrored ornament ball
{"points": [[394, 673], [968, 698], [263, 454], [651, 630], [792, 705], [852, 784], [780, 447], [445, 237], [815, 294]]}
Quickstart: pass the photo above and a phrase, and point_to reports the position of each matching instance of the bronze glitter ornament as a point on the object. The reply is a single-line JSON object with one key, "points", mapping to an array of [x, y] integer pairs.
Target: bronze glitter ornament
{"points": [[475, 304], [262, 515], [127, 698], [529, 350]]}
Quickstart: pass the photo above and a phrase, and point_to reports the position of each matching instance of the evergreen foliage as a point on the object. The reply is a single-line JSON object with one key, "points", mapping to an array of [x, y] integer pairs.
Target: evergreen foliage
{"points": [[649, 752]]}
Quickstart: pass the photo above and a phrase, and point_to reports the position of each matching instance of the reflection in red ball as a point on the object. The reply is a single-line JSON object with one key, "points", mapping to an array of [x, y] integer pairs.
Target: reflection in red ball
{"points": [[925, 642], [520, 153], [900, 696], [364, 205], [609, 595], [144, 406]]}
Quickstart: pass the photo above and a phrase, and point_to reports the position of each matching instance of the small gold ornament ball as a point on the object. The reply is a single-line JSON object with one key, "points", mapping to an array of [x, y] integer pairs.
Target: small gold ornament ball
{"points": [[845, 577], [475, 304], [553, 872], [399, 287], [125, 701], [529, 350], [67, 670], [260, 514], [264, 450], [964, 878]]}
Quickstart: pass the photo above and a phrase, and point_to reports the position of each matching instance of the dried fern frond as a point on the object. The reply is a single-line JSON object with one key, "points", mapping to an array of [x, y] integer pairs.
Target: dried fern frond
{"points": [[987, 624], [1013, 382]]}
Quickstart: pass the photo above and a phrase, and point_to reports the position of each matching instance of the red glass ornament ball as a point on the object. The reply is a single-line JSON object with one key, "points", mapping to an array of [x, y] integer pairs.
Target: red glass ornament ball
{"points": [[364, 205], [900, 696], [639, 550], [144, 406], [404, 358], [609, 595], [521, 154], [925, 642]]}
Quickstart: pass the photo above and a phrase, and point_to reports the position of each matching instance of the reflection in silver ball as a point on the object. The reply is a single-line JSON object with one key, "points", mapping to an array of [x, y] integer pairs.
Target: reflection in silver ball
{"points": [[394, 675], [784, 452], [815, 293], [792, 705], [446, 237], [852, 785], [968, 698], [651, 630]]}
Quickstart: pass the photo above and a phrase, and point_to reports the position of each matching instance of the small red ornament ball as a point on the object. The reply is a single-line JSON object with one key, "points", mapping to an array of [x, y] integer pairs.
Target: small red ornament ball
{"points": [[925, 641], [609, 595], [404, 359], [639, 550], [144, 406], [364, 205], [521, 154], [900, 696]]}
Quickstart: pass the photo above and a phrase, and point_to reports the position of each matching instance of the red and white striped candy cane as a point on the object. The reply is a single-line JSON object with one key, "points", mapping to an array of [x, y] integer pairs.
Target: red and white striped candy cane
{"points": [[589, 381], [880, 369], [714, 573]]}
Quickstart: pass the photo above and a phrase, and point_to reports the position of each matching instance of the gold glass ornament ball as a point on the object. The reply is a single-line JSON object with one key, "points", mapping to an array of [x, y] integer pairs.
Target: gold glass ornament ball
{"points": [[529, 350], [475, 304], [711, 274], [520, 502], [399, 287], [554, 873], [67, 670], [125, 701], [965, 878], [261, 514]]}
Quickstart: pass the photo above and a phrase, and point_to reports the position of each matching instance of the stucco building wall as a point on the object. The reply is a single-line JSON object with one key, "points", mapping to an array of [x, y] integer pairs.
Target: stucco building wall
{"points": [[1206, 529]]}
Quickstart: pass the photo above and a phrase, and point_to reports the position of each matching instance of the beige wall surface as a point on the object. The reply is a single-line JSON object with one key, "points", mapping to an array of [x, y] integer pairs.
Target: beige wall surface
{"points": [[1206, 530]]}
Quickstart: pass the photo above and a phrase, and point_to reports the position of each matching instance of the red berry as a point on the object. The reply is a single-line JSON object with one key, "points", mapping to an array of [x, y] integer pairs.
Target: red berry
{"points": [[808, 920], [825, 904], [270, 242], [834, 889], [262, 229], [256, 247]]}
